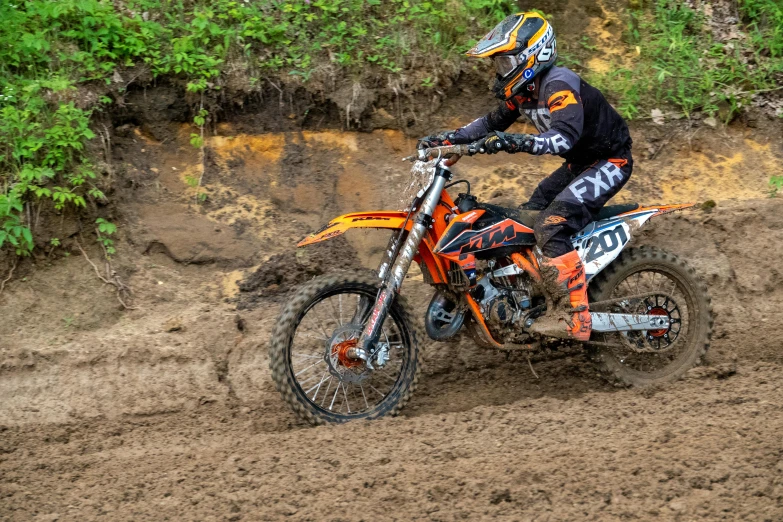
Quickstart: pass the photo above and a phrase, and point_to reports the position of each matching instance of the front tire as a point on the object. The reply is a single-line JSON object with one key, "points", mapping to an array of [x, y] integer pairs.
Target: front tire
{"points": [[691, 310], [371, 400]]}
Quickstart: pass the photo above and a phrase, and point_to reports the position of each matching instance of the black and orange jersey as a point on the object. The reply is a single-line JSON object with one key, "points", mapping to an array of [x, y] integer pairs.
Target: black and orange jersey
{"points": [[573, 119]]}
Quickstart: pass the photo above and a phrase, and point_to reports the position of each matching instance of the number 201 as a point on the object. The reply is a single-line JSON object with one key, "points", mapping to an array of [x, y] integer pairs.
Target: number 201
{"points": [[606, 242]]}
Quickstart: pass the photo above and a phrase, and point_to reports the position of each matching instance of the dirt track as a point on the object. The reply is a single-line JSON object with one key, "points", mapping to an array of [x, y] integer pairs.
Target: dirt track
{"points": [[482, 438], [567, 448], [168, 412]]}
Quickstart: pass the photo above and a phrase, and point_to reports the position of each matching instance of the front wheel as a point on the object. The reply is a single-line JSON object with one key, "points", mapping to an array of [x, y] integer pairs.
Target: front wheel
{"points": [[650, 281], [309, 345]]}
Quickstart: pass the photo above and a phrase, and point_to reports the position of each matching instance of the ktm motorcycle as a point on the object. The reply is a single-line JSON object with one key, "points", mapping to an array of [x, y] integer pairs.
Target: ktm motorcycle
{"points": [[345, 346]]}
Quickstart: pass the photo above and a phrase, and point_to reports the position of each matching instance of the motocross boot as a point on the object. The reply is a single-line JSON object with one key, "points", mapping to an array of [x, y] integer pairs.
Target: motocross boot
{"points": [[568, 314]]}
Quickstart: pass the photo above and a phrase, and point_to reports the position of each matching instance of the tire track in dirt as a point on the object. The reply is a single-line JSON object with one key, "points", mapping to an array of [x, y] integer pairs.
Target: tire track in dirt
{"points": [[700, 448]]}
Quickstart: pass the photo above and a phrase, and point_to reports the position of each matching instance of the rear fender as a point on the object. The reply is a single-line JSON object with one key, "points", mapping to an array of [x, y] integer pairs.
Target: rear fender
{"points": [[380, 219], [600, 242]]}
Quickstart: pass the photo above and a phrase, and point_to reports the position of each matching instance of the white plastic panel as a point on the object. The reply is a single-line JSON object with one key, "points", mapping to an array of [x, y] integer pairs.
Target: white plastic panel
{"points": [[600, 242]]}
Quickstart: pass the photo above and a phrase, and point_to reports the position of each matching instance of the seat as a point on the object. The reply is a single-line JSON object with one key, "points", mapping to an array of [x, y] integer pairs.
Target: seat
{"points": [[528, 217], [614, 210]]}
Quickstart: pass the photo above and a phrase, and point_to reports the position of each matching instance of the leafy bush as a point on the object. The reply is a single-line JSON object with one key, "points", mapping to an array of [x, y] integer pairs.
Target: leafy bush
{"points": [[49, 49], [775, 185]]}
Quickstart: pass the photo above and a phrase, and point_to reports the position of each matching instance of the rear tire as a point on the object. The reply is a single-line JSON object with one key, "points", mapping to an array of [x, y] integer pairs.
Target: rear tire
{"points": [[696, 339], [283, 334]]}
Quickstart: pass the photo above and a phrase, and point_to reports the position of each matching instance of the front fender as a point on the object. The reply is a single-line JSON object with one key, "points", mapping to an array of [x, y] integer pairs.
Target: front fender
{"points": [[373, 219], [389, 219]]}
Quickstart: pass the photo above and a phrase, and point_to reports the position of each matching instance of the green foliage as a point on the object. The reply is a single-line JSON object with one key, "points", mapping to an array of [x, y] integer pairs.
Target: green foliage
{"points": [[683, 65], [49, 49], [105, 230], [765, 21], [775, 185]]}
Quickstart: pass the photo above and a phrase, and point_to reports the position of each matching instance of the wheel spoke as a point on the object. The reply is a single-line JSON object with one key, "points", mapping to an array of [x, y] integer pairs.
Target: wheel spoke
{"points": [[325, 377], [384, 375], [366, 405], [305, 369], [362, 304], [340, 304], [318, 325], [302, 356], [335, 395], [326, 393], [308, 379], [312, 336], [345, 394], [335, 312]]}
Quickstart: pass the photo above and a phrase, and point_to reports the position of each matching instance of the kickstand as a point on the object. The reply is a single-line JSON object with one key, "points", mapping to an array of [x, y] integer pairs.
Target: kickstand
{"points": [[530, 364]]}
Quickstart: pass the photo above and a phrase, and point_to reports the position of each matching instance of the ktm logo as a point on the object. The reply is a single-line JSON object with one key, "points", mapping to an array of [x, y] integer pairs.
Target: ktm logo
{"points": [[554, 220], [492, 237]]}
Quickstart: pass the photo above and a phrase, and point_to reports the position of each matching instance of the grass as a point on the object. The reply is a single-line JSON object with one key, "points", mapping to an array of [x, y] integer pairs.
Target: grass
{"points": [[681, 65]]}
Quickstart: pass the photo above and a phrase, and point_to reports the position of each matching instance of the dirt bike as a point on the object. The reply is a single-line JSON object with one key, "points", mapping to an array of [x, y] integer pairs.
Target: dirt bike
{"points": [[346, 348]]}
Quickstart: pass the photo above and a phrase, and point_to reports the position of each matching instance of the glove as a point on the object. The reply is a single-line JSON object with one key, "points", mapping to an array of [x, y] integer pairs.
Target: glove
{"points": [[436, 140], [511, 143]]}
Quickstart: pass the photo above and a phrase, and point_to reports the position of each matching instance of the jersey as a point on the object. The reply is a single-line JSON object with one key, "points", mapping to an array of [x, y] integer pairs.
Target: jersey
{"points": [[573, 119]]}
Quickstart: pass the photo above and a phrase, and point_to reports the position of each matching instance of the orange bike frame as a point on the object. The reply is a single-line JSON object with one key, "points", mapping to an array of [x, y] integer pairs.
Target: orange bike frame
{"points": [[437, 265]]}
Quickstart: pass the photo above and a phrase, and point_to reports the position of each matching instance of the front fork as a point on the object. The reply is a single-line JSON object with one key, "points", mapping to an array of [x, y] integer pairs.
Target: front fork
{"points": [[365, 347]]}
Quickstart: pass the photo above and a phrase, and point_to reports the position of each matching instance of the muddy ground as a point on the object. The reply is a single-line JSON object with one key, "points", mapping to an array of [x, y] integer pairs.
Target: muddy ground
{"points": [[166, 411]]}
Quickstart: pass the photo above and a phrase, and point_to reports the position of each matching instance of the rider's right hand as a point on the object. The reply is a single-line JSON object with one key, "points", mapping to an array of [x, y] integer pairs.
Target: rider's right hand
{"points": [[436, 140]]}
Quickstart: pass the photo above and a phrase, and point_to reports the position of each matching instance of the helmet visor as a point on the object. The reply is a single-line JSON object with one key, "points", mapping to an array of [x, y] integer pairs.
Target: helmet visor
{"points": [[505, 65], [500, 39]]}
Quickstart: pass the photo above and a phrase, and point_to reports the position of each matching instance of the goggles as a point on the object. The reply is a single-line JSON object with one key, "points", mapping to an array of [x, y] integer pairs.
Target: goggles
{"points": [[505, 64]]}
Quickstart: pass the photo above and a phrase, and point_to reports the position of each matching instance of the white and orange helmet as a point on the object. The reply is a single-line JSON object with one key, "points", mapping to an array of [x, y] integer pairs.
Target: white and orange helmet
{"points": [[522, 46]]}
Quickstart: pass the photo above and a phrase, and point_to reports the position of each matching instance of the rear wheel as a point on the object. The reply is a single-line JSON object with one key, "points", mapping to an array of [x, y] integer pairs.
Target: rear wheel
{"points": [[650, 281], [310, 343]]}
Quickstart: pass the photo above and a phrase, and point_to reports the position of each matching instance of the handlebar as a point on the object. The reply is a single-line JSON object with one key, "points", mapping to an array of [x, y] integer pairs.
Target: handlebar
{"points": [[442, 152]]}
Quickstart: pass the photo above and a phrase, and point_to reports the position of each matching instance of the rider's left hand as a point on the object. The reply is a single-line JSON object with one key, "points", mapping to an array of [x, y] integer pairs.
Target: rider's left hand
{"points": [[496, 141]]}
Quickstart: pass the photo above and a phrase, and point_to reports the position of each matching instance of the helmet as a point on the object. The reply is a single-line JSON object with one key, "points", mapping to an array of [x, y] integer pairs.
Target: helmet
{"points": [[522, 46]]}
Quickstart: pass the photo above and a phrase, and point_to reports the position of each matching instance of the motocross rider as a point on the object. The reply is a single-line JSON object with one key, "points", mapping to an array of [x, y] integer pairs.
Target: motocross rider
{"points": [[575, 122]]}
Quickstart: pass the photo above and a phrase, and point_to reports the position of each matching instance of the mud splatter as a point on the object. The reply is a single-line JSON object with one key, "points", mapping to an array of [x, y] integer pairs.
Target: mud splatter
{"points": [[282, 272]]}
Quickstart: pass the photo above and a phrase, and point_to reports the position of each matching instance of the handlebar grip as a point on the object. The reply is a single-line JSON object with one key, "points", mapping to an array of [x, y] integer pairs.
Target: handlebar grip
{"points": [[442, 152], [460, 150]]}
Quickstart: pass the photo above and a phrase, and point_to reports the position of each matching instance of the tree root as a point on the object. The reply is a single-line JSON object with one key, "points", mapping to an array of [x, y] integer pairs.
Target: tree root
{"points": [[10, 275], [124, 292]]}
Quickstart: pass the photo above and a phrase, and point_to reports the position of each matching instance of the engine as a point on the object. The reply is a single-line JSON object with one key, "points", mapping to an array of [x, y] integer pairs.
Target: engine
{"points": [[502, 303]]}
